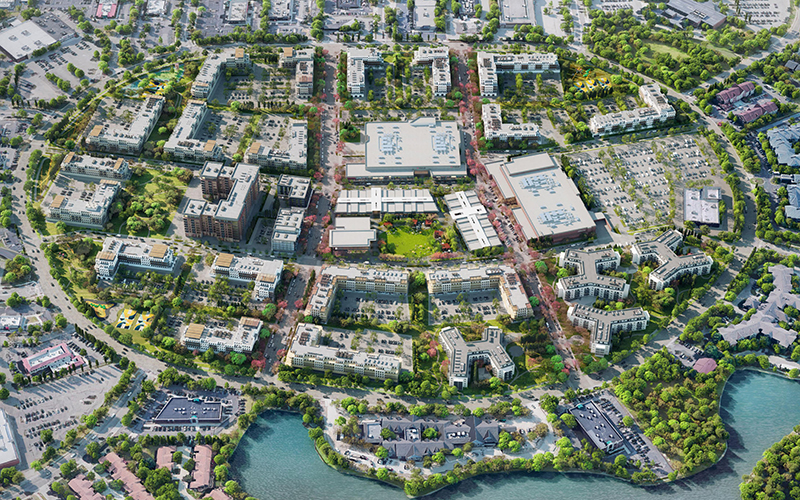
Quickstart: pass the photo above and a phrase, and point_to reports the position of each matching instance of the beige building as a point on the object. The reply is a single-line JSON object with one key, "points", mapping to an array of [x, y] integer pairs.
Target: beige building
{"points": [[658, 110], [93, 168], [294, 157], [302, 61], [588, 279], [217, 335], [182, 144], [127, 138], [439, 59], [213, 68]]}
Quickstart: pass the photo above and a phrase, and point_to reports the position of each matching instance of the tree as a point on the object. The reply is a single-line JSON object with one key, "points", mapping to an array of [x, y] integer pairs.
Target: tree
{"points": [[382, 452], [627, 421], [46, 435]]}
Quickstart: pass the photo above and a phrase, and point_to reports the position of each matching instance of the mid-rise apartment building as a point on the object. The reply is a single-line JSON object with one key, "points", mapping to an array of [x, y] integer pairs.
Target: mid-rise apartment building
{"points": [[90, 167], [134, 254], [439, 59], [588, 280], [352, 279], [306, 351], [302, 60], [671, 266], [287, 229], [483, 278], [294, 190], [216, 335], [127, 138], [462, 354], [182, 144], [265, 273], [495, 129], [604, 324], [215, 66], [491, 64], [294, 157], [233, 192], [76, 203], [658, 110], [357, 60]]}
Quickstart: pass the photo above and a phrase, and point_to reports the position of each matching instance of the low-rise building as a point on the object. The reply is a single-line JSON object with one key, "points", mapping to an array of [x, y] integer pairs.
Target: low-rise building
{"points": [[495, 129], [218, 336], [9, 453], [491, 64], [286, 233], [792, 210], [376, 201], [215, 66], [690, 13], [182, 144], [295, 157], [596, 425], [83, 488], [295, 191], [472, 220], [602, 324], [462, 354], [588, 279], [118, 469], [127, 138], [189, 411], [137, 255], [93, 168], [78, 203], [782, 140], [658, 110], [439, 59], [234, 193], [302, 60], [202, 475], [51, 359], [306, 351], [736, 93], [701, 206], [357, 59], [352, 279], [671, 266], [755, 111], [352, 234], [502, 278], [265, 273]]}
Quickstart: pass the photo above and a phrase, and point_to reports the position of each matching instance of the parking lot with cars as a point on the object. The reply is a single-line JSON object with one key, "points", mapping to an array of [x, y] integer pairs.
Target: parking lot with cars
{"points": [[464, 306], [384, 307]]}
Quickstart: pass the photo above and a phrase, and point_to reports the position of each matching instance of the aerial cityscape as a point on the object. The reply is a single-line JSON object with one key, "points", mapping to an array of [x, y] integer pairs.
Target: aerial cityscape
{"points": [[359, 249]]}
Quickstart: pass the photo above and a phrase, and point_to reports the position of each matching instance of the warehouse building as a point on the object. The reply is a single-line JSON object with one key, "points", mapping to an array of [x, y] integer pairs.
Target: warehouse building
{"points": [[472, 220], [377, 201]]}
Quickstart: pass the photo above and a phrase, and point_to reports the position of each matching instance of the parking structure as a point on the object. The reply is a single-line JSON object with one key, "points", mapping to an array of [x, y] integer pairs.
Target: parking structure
{"points": [[462, 307], [641, 185]]}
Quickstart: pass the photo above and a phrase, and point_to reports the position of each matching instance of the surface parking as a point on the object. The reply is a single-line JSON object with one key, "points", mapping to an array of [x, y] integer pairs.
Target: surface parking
{"points": [[381, 306], [451, 308]]}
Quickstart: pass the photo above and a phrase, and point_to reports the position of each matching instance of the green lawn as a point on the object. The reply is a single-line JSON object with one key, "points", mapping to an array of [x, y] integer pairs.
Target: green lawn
{"points": [[152, 186], [661, 48], [410, 243]]}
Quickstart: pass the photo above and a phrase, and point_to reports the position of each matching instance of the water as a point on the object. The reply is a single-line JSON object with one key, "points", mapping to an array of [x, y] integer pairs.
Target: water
{"points": [[276, 459]]}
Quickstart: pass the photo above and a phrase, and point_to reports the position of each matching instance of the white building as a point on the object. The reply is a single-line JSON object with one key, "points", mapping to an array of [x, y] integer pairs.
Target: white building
{"points": [[76, 203], [137, 255], [295, 157], [351, 234], [604, 324], [472, 220], [376, 201], [439, 59], [462, 354], [9, 453], [92, 168], [671, 266], [303, 63], [658, 110], [588, 280], [183, 146], [128, 138], [490, 64], [218, 336], [357, 59], [215, 66], [502, 278], [286, 233], [266, 273], [307, 352], [495, 129]]}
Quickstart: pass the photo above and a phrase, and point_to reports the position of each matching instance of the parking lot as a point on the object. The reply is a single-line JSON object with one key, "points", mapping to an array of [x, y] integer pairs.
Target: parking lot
{"points": [[384, 307], [79, 53], [58, 406], [685, 353], [641, 185], [232, 406], [464, 306]]}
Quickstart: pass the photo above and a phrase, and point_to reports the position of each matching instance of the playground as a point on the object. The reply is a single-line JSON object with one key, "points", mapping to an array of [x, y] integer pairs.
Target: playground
{"points": [[100, 308]]}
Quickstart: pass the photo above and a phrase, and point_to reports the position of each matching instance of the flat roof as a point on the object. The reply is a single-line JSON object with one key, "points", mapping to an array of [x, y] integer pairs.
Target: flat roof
{"points": [[21, 40], [472, 220], [9, 454], [180, 409], [699, 208], [549, 203], [382, 200], [352, 232]]}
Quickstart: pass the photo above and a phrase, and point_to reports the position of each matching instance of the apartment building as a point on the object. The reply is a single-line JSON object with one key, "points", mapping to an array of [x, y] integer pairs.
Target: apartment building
{"points": [[265, 273], [604, 324], [671, 266], [233, 192], [92, 168], [296, 191], [217, 335], [302, 61], [491, 64], [439, 59], [182, 144], [134, 254], [589, 280], [287, 229], [127, 138], [658, 110], [307, 352], [357, 60], [294, 157], [736, 93], [462, 354], [495, 129], [502, 278], [215, 66], [78, 203], [352, 279]]}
